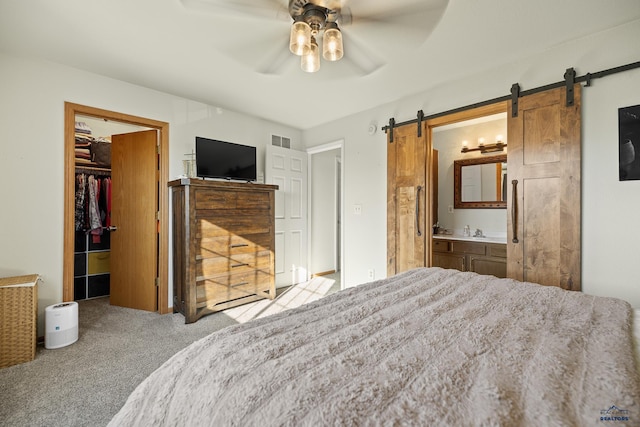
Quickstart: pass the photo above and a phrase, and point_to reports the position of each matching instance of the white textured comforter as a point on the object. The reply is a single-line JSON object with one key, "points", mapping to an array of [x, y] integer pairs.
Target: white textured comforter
{"points": [[429, 347]]}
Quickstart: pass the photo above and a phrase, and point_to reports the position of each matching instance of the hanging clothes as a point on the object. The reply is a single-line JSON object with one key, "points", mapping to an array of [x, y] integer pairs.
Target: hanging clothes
{"points": [[93, 204], [95, 221], [105, 201], [81, 184]]}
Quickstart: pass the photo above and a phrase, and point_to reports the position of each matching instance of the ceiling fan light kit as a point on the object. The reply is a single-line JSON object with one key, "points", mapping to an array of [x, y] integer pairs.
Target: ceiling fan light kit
{"points": [[332, 49], [309, 20], [311, 61], [299, 43]]}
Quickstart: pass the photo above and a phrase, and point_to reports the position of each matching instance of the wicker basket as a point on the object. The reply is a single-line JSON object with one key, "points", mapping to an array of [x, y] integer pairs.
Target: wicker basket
{"points": [[18, 319]]}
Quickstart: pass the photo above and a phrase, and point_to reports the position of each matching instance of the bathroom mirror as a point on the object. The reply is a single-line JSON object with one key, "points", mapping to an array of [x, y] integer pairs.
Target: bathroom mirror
{"points": [[480, 183]]}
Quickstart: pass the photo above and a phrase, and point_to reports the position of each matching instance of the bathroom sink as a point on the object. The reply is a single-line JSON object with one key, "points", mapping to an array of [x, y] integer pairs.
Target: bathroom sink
{"points": [[492, 239], [472, 238]]}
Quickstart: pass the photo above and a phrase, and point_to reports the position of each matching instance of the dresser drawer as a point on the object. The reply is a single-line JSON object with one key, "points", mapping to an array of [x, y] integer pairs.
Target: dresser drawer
{"points": [[232, 286], [223, 199], [240, 263], [235, 225], [254, 201], [231, 244], [215, 199]]}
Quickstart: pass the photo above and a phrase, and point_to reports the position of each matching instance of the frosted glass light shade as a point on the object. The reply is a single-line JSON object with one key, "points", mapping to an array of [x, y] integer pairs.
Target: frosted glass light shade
{"points": [[311, 61], [332, 49], [300, 39]]}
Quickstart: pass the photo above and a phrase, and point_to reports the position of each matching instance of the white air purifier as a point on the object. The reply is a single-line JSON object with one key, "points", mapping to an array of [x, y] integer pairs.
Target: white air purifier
{"points": [[61, 325]]}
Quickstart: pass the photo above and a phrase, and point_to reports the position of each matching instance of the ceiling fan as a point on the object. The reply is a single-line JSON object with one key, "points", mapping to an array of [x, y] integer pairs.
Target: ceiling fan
{"points": [[362, 32]]}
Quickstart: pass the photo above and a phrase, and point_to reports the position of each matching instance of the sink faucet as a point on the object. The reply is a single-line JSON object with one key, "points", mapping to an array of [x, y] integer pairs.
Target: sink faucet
{"points": [[478, 233]]}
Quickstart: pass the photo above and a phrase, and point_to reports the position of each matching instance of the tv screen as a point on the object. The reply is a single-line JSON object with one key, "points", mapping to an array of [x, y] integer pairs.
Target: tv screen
{"points": [[220, 159]]}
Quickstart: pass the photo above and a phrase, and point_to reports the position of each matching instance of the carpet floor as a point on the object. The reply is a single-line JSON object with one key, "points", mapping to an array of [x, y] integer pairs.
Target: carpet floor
{"points": [[86, 383]]}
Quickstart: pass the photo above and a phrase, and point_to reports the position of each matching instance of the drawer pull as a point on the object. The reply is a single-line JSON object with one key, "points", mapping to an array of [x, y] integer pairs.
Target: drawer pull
{"points": [[239, 284], [244, 264], [238, 245]]}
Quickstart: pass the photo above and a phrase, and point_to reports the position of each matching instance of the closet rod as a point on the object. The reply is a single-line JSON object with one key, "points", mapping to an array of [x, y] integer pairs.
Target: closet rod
{"points": [[93, 170], [586, 78]]}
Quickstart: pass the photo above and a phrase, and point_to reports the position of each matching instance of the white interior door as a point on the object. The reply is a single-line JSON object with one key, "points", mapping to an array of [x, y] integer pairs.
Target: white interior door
{"points": [[287, 169]]}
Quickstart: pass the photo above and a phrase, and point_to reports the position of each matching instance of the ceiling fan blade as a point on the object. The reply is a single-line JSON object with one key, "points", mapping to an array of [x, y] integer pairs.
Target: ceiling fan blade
{"points": [[277, 60], [269, 54], [244, 8], [409, 24], [361, 58], [346, 17], [330, 4]]}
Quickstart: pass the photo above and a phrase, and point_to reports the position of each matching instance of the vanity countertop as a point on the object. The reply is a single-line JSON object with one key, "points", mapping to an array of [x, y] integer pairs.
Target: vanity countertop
{"points": [[487, 239]]}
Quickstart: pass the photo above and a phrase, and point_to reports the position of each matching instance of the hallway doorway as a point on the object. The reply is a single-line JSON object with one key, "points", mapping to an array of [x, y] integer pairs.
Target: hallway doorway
{"points": [[326, 210]]}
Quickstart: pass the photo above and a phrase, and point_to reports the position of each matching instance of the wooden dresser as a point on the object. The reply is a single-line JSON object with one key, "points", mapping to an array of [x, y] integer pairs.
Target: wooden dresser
{"points": [[223, 245]]}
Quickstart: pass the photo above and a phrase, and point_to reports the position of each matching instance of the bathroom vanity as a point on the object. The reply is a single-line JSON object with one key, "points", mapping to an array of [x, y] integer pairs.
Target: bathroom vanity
{"points": [[483, 255]]}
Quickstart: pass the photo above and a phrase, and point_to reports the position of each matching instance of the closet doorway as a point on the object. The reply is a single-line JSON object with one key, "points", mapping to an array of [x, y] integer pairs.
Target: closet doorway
{"points": [[133, 149]]}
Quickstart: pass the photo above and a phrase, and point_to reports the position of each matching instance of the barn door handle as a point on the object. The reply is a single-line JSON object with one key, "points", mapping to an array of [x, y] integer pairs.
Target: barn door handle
{"points": [[514, 209], [418, 210]]}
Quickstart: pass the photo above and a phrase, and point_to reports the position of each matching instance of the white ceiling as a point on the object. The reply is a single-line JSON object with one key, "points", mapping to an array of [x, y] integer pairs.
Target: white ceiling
{"points": [[233, 54]]}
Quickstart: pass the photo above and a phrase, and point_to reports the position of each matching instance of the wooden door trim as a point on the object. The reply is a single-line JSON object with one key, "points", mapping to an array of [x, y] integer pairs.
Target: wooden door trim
{"points": [[71, 110], [472, 113], [469, 114]]}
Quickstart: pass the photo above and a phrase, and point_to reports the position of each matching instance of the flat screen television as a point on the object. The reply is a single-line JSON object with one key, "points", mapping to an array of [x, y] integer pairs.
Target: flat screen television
{"points": [[225, 160]]}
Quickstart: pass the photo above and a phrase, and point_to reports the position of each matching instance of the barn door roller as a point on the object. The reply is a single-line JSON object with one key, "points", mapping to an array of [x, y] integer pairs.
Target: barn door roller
{"points": [[515, 94], [569, 80], [392, 123]]}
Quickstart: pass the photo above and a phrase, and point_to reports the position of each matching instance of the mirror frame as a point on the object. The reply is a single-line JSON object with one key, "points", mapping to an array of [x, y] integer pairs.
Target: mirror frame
{"points": [[457, 183]]}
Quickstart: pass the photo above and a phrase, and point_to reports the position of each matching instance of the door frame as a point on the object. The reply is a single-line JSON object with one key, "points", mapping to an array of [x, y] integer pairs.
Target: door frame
{"points": [[339, 219], [330, 146], [70, 111], [468, 114]]}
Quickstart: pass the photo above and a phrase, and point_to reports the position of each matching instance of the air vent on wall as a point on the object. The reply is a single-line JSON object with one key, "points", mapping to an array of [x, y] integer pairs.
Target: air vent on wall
{"points": [[280, 141]]}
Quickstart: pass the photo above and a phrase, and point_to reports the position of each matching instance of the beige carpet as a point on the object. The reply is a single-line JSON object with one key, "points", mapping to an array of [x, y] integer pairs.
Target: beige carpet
{"points": [[86, 383]]}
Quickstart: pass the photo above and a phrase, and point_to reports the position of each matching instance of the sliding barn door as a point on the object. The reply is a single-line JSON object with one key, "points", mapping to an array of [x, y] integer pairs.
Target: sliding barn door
{"points": [[543, 201], [407, 232]]}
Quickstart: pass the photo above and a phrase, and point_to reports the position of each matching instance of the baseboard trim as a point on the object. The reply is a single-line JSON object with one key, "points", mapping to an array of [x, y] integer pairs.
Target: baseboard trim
{"points": [[324, 273]]}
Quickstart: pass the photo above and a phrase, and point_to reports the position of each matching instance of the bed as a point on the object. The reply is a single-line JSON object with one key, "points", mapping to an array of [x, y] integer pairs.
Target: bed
{"points": [[426, 347]]}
